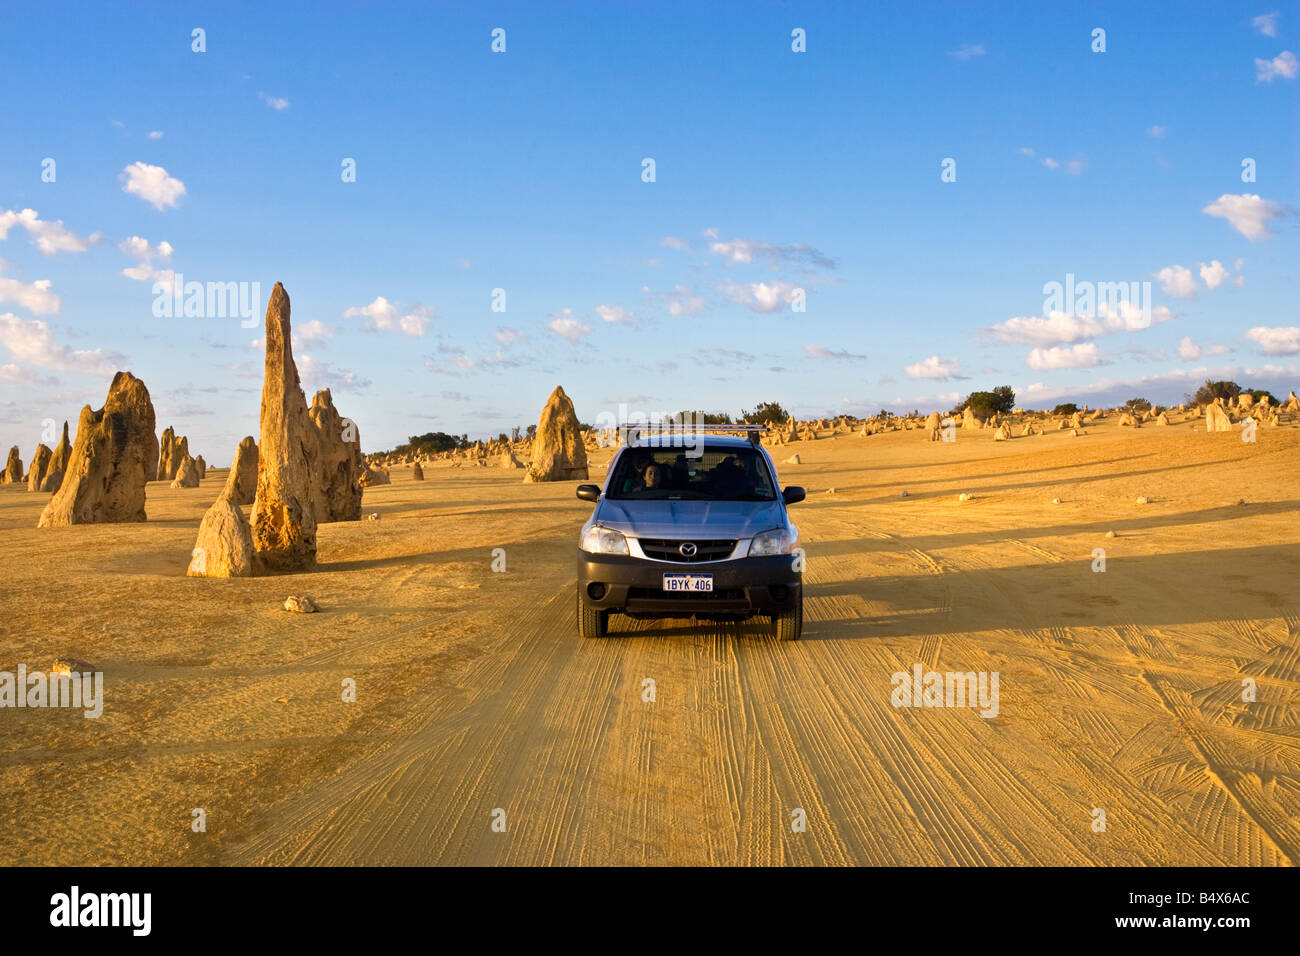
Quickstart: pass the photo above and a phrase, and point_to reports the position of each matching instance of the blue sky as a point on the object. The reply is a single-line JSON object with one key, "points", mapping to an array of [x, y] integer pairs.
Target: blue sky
{"points": [[775, 171]]}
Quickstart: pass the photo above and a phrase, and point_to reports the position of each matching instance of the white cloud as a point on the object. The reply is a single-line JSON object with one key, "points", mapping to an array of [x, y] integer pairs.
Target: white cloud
{"points": [[822, 352], [1128, 316], [308, 335], [1157, 131], [379, 314], [275, 102], [761, 296], [317, 375], [1074, 167], [499, 359], [155, 134], [1083, 355], [17, 375], [153, 184], [1283, 65], [505, 335], [615, 314], [723, 358], [680, 301], [145, 254], [1057, 328], [1061, 328], [416, 322], [1177, 281], [32, 341], [672, 242], [745, 251], [967, 50], [1266, 24], [1189, 351], [139, 248], [1213, 274], [458, 357], [1276, 341], [383, 316], [567, 327], [35, 297], [48, 237], [935, 367], [1247, 213]]}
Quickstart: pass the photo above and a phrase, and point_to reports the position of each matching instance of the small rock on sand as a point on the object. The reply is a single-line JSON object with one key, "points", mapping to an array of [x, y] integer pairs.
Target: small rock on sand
{"points": [[1111, 534], [1143, 499], [964, 496], [69, 665], [300, 603], [1056, 501]]}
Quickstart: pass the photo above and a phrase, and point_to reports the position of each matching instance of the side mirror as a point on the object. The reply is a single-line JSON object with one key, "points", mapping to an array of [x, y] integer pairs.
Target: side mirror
{"points": [[793, 494], [589, 492]]}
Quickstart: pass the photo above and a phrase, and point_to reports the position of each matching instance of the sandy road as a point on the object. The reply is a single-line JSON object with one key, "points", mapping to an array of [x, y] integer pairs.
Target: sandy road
{"points": [[1119, 691], [1110, 698]]}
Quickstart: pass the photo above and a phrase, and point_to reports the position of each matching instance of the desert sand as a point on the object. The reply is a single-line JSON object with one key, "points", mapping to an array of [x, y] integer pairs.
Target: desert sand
{"points": [[1119, 690]]}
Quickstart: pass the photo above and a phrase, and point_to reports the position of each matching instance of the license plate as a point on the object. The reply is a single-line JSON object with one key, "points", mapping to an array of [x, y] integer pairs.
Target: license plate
{"points": [[688, 582]]}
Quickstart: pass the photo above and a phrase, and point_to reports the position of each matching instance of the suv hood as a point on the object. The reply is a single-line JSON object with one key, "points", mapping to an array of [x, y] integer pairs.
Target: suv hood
{"points": [[690, 519]]}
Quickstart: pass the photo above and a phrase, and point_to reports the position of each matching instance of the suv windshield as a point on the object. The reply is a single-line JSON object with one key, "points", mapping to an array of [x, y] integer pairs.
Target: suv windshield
{"points": [[718, 474]]}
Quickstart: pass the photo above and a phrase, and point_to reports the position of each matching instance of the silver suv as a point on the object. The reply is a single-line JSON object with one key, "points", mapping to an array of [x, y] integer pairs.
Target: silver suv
{"points": [[691, 530]]}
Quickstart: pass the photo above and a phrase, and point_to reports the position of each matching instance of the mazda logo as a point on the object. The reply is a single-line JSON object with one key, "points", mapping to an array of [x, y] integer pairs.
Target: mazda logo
{"points": [[688, 549]]}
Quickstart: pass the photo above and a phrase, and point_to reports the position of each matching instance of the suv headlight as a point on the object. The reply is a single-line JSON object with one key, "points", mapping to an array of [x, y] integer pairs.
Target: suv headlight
{"points": [[776, 541], [600, 540]]}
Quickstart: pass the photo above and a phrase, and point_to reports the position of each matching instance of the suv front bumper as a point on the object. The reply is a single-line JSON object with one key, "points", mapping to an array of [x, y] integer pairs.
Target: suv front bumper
{"points": [[740, 586]]}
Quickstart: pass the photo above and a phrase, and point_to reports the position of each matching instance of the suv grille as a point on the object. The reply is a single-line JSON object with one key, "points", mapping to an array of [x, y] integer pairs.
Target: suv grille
{"points": [[663, 549]]}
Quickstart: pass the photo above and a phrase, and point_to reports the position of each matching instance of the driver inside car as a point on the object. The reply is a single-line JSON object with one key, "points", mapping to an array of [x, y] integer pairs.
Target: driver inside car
{"points": [[656, 476]]}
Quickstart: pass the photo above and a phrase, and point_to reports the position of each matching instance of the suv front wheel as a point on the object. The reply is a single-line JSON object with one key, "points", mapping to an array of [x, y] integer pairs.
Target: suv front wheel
{"points": [[592, 622], [788, 625]]}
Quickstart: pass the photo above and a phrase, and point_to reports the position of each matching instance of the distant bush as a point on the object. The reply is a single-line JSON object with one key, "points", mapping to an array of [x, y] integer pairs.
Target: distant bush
{"points": [[767, 413], [1138, 404], [985, 404], [1208, 392], [1069, 408], [431, 443], [698, 415]]}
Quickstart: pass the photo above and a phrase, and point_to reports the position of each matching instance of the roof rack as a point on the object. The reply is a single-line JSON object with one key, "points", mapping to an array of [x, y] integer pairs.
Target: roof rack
{"points": [[633, 430]]}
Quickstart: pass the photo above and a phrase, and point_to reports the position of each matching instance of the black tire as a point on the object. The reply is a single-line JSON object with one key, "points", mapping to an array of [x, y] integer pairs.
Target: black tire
{"points": [[788, 625], [591, 621]]}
